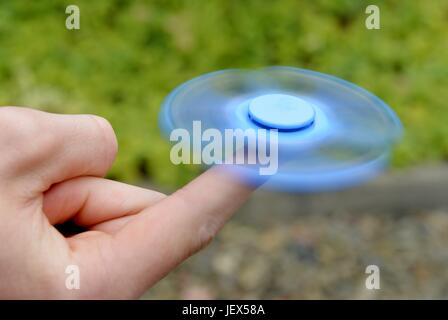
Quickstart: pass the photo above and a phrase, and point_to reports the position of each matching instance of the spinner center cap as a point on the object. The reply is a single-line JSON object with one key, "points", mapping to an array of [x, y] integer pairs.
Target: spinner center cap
{"points": [[281, 111]]}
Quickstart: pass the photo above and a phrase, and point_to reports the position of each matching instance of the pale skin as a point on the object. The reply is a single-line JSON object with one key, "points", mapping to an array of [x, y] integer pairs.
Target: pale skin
{"points": [[52, 170]]}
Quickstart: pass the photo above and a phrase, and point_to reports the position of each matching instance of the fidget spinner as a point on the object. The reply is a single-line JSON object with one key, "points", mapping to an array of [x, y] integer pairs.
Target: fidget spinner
{"points": [[304, 131]]}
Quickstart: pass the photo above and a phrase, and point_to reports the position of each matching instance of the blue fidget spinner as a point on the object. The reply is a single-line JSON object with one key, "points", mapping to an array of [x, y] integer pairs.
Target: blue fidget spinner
{"points": [[326, 133]]}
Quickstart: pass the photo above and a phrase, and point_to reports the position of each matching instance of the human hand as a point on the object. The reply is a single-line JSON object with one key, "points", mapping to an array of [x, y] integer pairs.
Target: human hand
{"points": [[51, 171]]}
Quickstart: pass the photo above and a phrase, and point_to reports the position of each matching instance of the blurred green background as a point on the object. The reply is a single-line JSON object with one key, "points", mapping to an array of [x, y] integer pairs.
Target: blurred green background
{"points": [[128, 55]]}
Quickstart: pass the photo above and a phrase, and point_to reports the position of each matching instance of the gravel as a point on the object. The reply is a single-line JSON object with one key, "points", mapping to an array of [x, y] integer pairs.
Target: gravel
{"points": [[320, 256], [318, 247]]}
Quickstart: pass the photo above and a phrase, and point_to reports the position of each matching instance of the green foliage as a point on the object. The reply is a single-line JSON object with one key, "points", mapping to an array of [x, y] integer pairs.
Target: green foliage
{"points": [[128, 55]]}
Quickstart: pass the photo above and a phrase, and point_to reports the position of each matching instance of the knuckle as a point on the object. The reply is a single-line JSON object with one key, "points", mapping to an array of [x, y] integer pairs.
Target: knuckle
{"points": [[18, 122], [24, 127], [24, 137], [207, 232], [206, 225], [14, 120]]}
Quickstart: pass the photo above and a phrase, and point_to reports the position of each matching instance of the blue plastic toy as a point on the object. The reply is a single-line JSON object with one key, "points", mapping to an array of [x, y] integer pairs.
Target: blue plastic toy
{"points": [[331, 134]]}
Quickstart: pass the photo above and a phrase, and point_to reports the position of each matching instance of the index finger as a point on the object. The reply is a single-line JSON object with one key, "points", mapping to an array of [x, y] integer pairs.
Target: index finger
{"points": [[178, 226]]}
